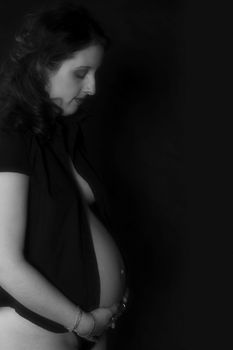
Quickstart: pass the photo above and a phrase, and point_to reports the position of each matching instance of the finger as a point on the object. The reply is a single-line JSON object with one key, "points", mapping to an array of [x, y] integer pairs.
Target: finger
{"points": [[93, 340], [126, 295], [113, 325], [114, 308]]}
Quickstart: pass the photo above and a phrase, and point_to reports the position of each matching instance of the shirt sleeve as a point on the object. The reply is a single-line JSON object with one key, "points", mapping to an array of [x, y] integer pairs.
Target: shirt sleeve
{"points": [[14, 156]]}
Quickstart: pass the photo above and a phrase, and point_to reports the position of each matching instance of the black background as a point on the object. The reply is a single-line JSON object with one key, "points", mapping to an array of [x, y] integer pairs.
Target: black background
{"points": [[137, 141], [162, 137]]}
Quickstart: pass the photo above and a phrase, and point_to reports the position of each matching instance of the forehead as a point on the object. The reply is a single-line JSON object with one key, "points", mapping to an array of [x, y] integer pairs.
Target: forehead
{"points": [[90, 56]]}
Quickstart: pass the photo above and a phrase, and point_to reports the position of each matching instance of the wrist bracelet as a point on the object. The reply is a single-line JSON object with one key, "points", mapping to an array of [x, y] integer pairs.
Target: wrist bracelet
{"points": [[77, 320]]}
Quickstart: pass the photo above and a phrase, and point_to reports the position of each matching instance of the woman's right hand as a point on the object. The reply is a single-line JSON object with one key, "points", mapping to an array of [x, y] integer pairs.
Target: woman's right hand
{"points": [[102, 317]]}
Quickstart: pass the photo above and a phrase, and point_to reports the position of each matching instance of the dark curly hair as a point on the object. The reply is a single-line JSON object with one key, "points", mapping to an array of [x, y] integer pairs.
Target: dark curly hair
{"points": [[45, 39]]}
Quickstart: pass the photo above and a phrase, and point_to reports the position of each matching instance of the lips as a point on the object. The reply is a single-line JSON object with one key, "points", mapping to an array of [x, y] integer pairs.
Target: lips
{"points": [[78, 99]]}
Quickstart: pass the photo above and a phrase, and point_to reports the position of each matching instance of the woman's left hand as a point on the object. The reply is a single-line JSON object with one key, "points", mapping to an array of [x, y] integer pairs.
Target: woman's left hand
{"points": [[120, 310]]}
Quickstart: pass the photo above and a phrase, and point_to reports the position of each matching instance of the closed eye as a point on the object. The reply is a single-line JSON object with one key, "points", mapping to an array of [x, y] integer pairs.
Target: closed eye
{"points": [[81, 73]]}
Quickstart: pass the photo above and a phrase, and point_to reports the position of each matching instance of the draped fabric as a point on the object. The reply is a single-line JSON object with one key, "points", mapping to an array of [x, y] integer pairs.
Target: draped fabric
{"points": [[58, 241]]}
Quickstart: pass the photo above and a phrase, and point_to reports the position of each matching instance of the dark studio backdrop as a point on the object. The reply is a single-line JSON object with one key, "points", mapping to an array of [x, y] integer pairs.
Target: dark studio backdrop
{"points": [[136, 140]]}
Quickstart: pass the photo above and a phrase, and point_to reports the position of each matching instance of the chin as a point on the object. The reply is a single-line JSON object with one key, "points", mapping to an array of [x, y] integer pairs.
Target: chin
{"points": [[69, 111]]}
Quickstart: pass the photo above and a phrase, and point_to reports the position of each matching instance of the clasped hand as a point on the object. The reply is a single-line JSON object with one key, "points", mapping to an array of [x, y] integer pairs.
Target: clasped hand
{"points": [[102, 317]]}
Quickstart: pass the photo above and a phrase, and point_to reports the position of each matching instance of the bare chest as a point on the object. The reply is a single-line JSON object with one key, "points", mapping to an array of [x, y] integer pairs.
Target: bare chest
{"points": [[82, 184]]}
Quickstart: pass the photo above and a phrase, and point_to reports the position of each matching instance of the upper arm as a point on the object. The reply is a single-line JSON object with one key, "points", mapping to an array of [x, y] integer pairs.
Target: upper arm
{"points": [[13, 214], [14, 182]]}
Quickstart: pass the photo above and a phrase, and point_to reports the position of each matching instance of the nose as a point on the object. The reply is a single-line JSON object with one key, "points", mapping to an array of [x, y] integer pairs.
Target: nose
{"points": [[89, 87]]}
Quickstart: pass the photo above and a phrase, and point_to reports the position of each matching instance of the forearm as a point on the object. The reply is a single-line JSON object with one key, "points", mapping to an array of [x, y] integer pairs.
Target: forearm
{"points": [[32, 290]]}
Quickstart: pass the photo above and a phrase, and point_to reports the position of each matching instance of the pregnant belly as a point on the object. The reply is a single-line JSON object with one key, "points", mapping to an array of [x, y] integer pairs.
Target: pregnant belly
{"points": [[27, 336], [110, 263]]}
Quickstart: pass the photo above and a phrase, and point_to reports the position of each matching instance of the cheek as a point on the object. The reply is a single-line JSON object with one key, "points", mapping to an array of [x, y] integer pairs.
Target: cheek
{"points": [[71, 87], [64, 85], [58, 87]]}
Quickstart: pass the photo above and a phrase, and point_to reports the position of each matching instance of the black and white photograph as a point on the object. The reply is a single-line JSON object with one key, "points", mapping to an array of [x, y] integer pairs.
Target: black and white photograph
{"points": [[93, 197]]}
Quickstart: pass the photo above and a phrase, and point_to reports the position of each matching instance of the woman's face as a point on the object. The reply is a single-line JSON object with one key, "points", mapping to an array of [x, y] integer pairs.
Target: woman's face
{"points": [[75, 79]]}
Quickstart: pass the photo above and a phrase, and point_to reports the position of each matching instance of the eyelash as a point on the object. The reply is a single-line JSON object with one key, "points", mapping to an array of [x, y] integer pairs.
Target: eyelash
{"points": [[80, 76]]}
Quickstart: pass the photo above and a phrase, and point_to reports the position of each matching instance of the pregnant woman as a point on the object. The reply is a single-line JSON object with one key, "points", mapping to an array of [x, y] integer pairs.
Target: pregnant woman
{"points": [[62, 277]]}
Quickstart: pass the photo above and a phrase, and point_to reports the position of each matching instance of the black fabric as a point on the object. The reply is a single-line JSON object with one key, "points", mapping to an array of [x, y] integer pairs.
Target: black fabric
{"points": [[13, 153], [58, 241]]}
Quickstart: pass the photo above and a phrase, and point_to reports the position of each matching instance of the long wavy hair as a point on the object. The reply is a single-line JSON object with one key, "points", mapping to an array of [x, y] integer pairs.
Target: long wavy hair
{"points": [[45, 39]]}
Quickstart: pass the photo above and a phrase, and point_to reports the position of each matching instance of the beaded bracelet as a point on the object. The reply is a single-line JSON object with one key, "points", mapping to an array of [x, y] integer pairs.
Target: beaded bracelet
{"points": [[77, 320]]}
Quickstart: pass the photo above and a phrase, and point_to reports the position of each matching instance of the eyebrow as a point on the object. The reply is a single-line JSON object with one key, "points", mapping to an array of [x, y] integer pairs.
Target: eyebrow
{"points": [[86, 67], [82, 67]]}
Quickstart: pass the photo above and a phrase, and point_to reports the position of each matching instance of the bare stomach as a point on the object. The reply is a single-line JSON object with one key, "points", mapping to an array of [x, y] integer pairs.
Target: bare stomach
{"points": [[19, 333], [110, 263]]}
